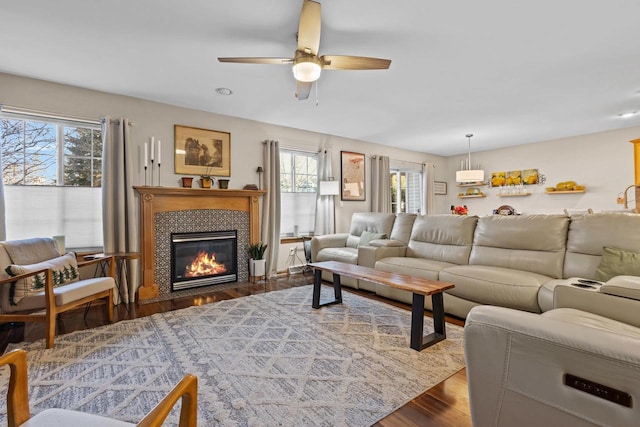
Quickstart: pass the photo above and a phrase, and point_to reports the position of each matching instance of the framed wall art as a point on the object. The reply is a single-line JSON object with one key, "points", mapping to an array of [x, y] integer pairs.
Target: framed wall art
{"points": [[440, 188], [202, 151], [352, 176]]}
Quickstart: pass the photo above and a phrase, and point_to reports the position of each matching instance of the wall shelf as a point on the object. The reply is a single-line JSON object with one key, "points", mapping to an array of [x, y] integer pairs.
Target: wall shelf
{"points": [[565, 192], [514, 195], [472, 196], [472, 184]]}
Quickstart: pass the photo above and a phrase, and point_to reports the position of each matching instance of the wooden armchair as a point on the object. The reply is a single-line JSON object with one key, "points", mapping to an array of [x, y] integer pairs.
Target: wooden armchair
{"points": [[18, 403], [48, 293]]}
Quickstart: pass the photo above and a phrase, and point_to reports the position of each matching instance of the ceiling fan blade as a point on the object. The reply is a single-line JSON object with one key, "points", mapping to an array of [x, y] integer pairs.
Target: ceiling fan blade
{"points": [[257, 60], [345, 62], [309, 28], [303, 89]]}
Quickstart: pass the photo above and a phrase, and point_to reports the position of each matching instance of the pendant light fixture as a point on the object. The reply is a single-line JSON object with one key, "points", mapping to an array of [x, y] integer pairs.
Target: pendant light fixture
{"points": [[469, 175]]}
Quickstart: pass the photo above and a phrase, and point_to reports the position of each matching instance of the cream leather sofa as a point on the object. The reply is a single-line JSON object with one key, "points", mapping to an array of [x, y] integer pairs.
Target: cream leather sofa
{"points": [[510, 261], [566, 367]]}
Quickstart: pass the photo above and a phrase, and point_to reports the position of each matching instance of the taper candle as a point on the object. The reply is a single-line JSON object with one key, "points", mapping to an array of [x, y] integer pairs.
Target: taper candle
{"points": [[152, 148], [159, 153], [146, 154]]}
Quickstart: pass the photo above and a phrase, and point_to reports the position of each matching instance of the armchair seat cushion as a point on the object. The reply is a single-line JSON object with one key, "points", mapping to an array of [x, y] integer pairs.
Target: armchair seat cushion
{"points": [[346, 254], [420, 267], [64, 294], [501, 286], [64, 418]]}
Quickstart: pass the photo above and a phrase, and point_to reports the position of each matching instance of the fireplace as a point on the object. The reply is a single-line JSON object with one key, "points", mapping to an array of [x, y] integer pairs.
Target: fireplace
{"points": [[203, 259]]}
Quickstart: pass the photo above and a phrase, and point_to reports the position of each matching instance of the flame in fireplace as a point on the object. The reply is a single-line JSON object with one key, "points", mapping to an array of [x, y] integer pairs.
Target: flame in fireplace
{"points": [[204, 264]]}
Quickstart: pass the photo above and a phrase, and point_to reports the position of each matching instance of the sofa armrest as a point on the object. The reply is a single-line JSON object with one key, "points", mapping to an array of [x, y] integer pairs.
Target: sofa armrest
{"points": [[516, 362], [318, 243], [614, 307], [387, 243], [623, 286], [368, 255]]}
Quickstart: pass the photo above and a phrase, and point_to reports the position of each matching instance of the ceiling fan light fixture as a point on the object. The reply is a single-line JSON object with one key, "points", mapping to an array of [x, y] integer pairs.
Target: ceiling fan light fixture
{"points": [[306, 68]]}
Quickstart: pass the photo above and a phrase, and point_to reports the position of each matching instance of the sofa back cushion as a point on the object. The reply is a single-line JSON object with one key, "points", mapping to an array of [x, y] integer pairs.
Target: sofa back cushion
{"points": [[446, 238], [402, 227], [589, 234], [374, 222], [534, 243]]}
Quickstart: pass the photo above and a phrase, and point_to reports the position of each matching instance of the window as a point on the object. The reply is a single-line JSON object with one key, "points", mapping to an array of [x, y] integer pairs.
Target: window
{"points": [[298, 188], [52, 174], [406, 190]]}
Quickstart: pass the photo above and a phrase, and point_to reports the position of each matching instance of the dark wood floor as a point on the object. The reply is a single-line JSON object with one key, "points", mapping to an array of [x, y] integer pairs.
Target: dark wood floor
{"points": [[446, 404]]}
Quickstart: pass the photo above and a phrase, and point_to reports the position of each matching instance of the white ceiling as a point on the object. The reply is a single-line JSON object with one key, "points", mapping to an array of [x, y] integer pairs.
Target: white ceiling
{"points": [[511, 72]]}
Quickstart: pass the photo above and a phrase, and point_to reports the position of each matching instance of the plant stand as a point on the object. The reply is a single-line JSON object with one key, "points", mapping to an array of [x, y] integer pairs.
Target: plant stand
{"points": [[257, 269]]}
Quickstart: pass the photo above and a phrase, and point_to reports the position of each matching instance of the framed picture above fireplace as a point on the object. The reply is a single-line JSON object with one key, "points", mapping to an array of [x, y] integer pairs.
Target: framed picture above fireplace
{"points": [[202, 151]]}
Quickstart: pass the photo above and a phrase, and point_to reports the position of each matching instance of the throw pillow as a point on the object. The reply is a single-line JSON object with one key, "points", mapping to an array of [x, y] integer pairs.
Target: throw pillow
{"points": [[64, 270], [617, 262], [368, 236]]}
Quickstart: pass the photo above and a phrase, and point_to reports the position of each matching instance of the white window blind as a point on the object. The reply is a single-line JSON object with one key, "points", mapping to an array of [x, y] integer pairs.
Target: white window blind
{"points": [[52, 174], [298, 188]]}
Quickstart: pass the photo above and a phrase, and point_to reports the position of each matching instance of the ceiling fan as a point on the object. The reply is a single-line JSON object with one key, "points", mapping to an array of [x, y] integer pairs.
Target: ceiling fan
{"points": [[307, 65]]}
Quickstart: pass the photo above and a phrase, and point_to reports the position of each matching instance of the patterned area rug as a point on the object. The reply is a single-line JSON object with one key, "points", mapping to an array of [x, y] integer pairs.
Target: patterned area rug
{"points": [[261, 360]]}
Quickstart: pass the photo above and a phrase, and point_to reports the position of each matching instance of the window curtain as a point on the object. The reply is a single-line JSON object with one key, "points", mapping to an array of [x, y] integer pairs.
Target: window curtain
{"points": [[380, 184], [119, 214], [428, 172], [325, 205], [3, 225], [270, 230]]}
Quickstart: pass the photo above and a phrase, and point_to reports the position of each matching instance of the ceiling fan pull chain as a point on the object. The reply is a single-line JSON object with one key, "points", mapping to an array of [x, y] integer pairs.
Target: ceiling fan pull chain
{"points": [[316, 85]]}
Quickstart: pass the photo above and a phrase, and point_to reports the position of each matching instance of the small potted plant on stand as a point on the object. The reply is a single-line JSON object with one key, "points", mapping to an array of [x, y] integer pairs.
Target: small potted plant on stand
{"points": [[257, 263]]}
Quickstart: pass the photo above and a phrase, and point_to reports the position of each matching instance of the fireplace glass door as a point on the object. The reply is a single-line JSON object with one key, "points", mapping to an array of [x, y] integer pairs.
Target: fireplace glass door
{"points": [[202, 259]]}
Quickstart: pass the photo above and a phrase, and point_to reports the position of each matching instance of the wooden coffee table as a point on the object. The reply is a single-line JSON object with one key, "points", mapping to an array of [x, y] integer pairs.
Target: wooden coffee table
{"points": [[418, 286]]}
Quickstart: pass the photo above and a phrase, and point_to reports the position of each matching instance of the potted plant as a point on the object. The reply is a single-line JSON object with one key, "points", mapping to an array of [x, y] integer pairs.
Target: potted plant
{"points": [[206, 179], [257, 263]]}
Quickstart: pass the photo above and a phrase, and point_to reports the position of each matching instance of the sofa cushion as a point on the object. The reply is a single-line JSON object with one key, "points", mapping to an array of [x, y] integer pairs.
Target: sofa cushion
{"points": [[348, 255], [495, 285], [589, 234], [64, 270], [375, 222], [534, 243], [368, 236], [402, 227], [420, 267], [617, 262], [445, 238]]}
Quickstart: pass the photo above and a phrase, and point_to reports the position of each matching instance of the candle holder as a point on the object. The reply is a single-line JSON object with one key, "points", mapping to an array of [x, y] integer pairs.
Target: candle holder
{"points": [[152, 172], [145, 176], [159, 175]]}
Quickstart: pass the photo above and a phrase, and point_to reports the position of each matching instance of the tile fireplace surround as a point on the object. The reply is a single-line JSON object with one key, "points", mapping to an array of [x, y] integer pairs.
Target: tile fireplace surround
{"points": [[166, 210]]}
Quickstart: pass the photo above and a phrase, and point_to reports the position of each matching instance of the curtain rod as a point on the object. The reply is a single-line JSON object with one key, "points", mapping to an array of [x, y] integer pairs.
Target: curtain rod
{"points": [[46, 115], [116, 121]]}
